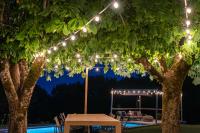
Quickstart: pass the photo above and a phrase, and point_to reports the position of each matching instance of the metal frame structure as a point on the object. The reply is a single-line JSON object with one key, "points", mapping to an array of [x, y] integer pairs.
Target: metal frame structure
{"points": [[137, 92]]}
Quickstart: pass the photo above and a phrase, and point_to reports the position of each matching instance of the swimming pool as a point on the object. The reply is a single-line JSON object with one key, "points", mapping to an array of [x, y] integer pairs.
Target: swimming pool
{"points": [[50, 128]]}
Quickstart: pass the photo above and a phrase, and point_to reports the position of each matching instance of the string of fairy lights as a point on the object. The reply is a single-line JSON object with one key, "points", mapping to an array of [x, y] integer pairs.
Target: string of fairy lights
{"points": [[73, 36], [188, 11], [97, 19]]}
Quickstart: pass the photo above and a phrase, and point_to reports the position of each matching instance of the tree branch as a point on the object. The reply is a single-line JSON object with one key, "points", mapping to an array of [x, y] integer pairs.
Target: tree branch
{"points": [[7, 83], [149, 68], [29, 84], [15, 75], [23, 68], [163, 64]]}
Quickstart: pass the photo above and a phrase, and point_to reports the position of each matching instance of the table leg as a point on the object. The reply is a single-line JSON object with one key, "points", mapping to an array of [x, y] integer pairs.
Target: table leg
{"points": [[67, 129], [118, 128]]}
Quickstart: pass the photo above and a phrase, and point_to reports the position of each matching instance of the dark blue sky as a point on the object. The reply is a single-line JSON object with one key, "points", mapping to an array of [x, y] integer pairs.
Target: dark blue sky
{"points": [[65, 79]]}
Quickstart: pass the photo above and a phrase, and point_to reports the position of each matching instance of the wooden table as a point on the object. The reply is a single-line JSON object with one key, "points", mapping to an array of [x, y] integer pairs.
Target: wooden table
{"points": [[91, 119]]}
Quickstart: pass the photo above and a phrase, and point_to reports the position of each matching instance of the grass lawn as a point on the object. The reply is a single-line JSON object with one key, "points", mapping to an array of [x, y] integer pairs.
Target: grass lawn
{"points": [[156, 129]]}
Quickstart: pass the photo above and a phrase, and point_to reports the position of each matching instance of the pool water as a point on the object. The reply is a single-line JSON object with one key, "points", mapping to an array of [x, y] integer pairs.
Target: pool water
{"points": [[132, 125]]}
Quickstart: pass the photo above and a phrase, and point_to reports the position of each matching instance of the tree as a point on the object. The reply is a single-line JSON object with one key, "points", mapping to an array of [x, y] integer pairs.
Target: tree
{"points": [[147, 36]]}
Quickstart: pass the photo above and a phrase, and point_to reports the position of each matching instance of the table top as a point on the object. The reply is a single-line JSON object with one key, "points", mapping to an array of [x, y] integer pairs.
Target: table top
{"points": [[90, 118]]}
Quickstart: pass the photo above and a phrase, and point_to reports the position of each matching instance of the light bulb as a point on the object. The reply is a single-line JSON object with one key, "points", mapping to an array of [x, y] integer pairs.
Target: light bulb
{"points": [[56, 67], [47, 60], [84, 29], [96, 60], [64, 44], [79, 60], [73, 37], [36, 55], [129, 60], [97, 19], [187, 22], [112, 60], [188, 10], [187, 31], [115, 56], [189, 37], [97, 69], [55, 48], [49, 51], [97, 56], [116, 4], [78, 55]]}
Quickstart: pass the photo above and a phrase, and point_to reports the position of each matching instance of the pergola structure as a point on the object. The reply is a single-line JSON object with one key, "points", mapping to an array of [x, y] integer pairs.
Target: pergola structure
{"points": [[139, 93]]}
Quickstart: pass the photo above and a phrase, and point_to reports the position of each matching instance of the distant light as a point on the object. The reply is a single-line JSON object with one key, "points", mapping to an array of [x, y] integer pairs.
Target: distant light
{"points": [[96, 60], [97, 18], [55, 48], [79, 60], [129, 60], [64, 43], [67, 68], [84, 29], [97, 69], [97, 56], [187, 31], [112, 60], [49, 51], [189, 37], [78, 55], [115, 56], [187, 22], [116, 4], [73, 37], [188, 10]]}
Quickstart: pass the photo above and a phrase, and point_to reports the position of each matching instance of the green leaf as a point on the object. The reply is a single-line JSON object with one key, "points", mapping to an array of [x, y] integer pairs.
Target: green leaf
{"points": [[65, 30]]}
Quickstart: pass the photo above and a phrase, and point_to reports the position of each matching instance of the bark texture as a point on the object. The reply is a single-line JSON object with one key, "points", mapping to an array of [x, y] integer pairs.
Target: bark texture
{"points": [[18, 81], [171, 80]]}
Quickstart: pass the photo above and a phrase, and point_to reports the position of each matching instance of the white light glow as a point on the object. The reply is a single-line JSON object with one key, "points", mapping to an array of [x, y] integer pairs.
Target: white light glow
{"points": [[78, 55], [189, 37], [115, 56], [189, 41], [97, 18], [84, 29], [56, 67], [47, 60], [116, 4], [97, 69], [187, 22], [49, 51], [112, 60], [67, 68], [97, 56], [129, 60], [188, 10], [64, 43], [55, 48], [96, 60], [73, 37], [79, 60], [187, 31], [117, 68]]}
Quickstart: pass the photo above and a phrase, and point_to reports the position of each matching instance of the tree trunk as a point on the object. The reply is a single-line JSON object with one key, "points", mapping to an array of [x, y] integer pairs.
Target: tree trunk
{"points": [[172, 88], [17, 122]]}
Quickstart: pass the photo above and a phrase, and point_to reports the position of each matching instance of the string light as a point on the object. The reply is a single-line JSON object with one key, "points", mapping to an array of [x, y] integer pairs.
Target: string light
{"points": [[116, 4], [188, 10], [96, 60], [189, 37], [112, 60], [187, 31], [115, 56], [55, 48], [78, 55], [67, 68], [97, 56], [47, 60], [97, 69], [56, 66], [64, 44], [84, 29], [49, 51], [129, 60], [188, 22], [97, 18], [79, 60], [73, 37]]}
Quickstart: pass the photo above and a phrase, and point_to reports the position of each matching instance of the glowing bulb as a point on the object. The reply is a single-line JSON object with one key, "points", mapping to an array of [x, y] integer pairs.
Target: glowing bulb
{"points": [[188, 10], [84, 29], [42, 54], [73, 37], [129, 60], [49, 51], [56, 67], [79, 60], [187, 31], [36, 55], [97, 18], [47, 60], [189, 37], [55, 48], [67, 68], [115, 56], [64, 44], [96, 60], [116, 4], [112, 60], [97, 56], [97, 69], [78, 55], [187, 22]]}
